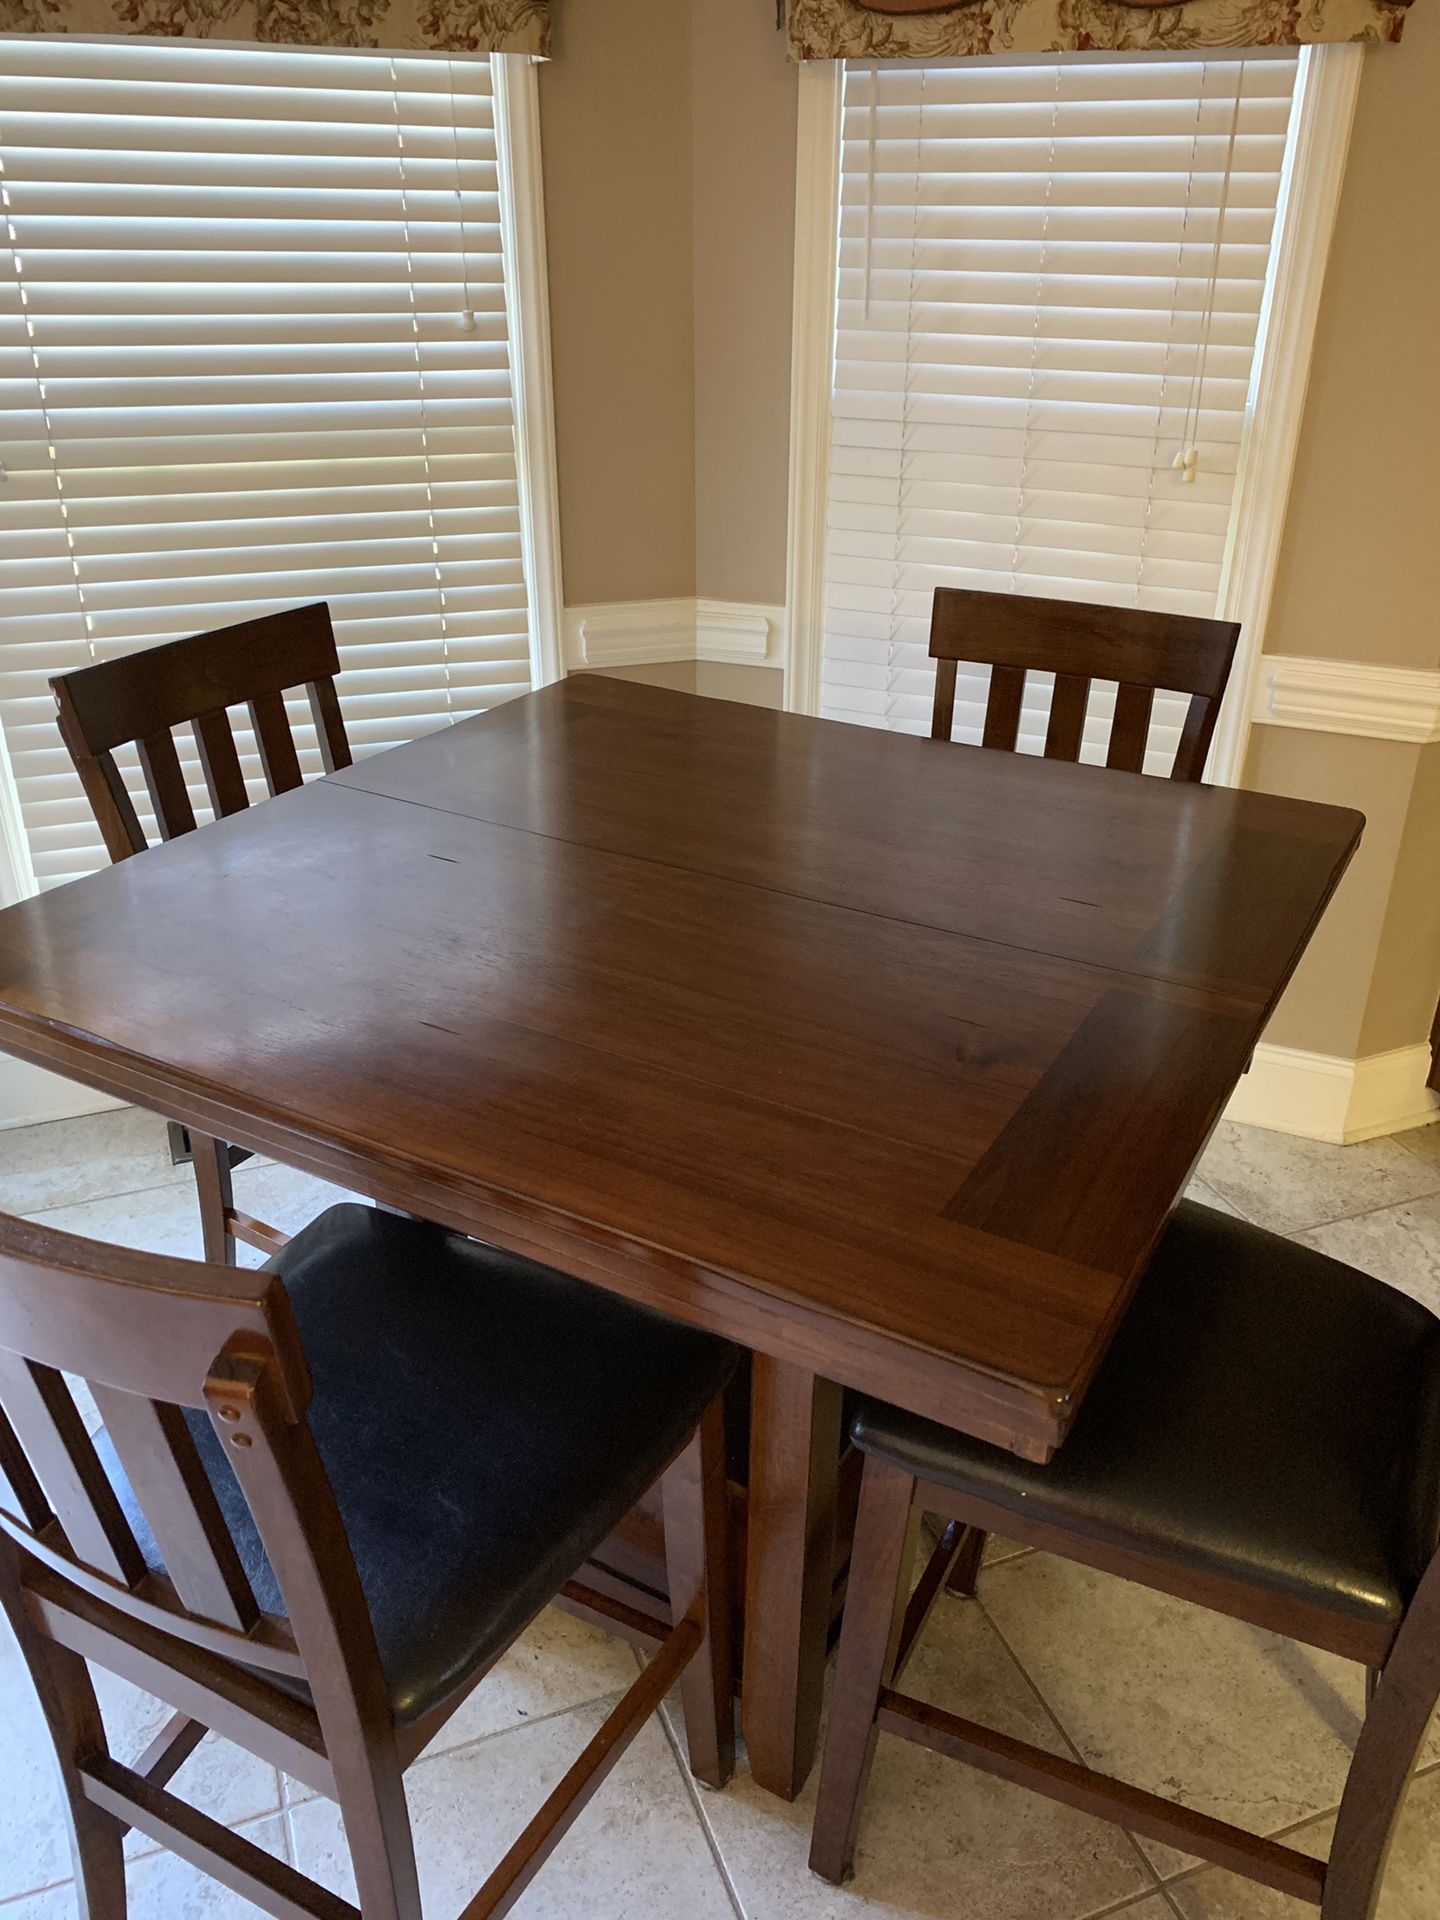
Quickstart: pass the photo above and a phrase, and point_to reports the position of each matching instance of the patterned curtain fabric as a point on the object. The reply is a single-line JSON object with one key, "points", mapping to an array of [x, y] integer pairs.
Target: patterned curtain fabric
{"points": [[918, 30], [451, 26]]}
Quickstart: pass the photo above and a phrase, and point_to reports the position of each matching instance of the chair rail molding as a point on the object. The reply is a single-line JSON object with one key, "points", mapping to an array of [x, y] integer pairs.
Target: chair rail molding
{"points": [[628, 633], [1317, 143], [1323, 1096], [1348, 696]]}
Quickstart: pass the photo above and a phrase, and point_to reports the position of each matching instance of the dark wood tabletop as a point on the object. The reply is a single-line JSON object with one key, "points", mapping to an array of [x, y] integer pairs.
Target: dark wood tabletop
{"points": [[876, 1051], [886, 1057]]}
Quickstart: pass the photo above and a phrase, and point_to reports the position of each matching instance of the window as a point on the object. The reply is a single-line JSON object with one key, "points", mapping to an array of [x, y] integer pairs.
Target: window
{"points": [[259, 341], [1050, 281]]}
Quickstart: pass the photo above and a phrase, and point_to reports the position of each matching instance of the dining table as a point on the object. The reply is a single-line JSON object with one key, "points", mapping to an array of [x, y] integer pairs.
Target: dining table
{"points": [[885, 1057]]}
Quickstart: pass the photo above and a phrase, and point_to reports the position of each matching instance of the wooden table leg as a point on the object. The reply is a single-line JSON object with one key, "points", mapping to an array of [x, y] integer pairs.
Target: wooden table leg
{"points": [[790, 1555]]}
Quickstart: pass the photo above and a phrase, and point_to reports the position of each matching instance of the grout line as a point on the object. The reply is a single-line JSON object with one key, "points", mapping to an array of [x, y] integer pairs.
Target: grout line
{"points": [[1364, 1213], [687, 1781], [1147, 1864], [1131, 1902]]}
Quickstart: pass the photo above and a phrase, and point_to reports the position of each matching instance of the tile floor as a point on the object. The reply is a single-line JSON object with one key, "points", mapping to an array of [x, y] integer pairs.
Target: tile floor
{"points": [[1092, 1667]]}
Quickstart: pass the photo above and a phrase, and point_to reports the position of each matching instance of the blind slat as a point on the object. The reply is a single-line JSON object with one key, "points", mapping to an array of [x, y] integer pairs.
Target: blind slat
{"points": [[1049, 283], [235, 374]]}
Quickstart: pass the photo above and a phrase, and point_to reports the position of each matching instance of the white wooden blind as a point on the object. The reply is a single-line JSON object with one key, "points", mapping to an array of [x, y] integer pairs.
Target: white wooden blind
{"points": [[240, 372], [1050, 278]]}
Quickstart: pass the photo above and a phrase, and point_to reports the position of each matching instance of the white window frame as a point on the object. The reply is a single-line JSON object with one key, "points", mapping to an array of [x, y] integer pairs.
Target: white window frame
{"points": [[1327, 85], [27, 1094]]}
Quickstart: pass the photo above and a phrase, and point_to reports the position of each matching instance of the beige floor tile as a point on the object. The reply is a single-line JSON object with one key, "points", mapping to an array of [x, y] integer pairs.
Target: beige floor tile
{"points": [[1208, 1197], [220, 1779], [1204, 1710], [558, 1663], [936, 1838], [1410, 1890], [1422, 1140], [167, 1219], [164, 1887], [66, 1161], [1288, 1184], [997, 1550], [637, 1850], [1398, 1244]]}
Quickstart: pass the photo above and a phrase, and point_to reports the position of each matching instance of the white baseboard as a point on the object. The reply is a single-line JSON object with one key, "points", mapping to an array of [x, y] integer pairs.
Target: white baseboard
{"points": [[29, 1095], [1322, 1096], [627, 633]]}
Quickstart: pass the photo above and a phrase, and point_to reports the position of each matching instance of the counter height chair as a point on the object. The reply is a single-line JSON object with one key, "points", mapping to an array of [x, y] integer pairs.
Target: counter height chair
{"points": [[139, 700], [1263, 1438], [1016, 634], [327, 1496]]}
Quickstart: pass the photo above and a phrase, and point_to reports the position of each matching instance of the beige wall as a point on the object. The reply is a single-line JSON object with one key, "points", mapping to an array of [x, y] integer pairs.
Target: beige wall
{"points": [[615, 132], [670, 139], [1359, 573], [744, 105]]}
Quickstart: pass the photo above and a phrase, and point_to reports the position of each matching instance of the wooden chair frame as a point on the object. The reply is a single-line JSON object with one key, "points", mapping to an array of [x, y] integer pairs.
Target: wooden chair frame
{"points": [[139, 700], [1016, 634], [153, 1336], [883, 1621]]}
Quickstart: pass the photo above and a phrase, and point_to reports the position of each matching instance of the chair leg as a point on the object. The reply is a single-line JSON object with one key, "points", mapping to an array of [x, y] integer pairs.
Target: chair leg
{"points": [[77, 1733], [1385, 1758], [211, 1160], [966, 1570], [377, 1829], [696, 1499], [886, 1531]]}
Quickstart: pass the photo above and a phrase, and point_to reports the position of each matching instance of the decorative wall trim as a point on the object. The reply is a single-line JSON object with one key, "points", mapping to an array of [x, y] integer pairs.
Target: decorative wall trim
{"points": [[522, 227], [628, 633], [1323, 1096], [1349, 696], [1319, 141]]}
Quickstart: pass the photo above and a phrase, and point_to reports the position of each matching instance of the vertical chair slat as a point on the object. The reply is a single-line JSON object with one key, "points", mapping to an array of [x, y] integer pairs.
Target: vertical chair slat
{"points": [[1067, 716], [160, 764], [1130, 729], [112, 806], [20, 1491], [942, 722], [67, 1466], [276, 742], [164, 1468], [220, 763], [1195, 739], [329, 725], [1002, 710]]}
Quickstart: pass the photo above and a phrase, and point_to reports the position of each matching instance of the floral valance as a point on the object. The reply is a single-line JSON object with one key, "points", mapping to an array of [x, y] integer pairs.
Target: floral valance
{"points": [[447, 26], [925, 30]]}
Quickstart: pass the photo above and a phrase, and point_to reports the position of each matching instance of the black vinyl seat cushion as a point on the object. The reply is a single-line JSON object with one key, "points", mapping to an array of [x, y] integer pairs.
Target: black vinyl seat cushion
{"points": [[485, 1423], [1265, 1412]]}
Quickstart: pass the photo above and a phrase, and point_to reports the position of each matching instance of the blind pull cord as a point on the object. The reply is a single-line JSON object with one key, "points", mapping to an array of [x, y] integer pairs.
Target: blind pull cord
{"points": [[1187, 460]]}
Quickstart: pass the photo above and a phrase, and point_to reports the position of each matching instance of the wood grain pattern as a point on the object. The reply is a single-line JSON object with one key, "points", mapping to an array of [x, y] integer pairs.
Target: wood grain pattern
{"points": [[763, 1021], [640, 1040]]}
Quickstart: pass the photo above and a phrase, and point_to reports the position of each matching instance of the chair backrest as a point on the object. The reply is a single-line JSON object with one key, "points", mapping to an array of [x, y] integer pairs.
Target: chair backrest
{"points": [[153, 1338], [1142, 652], [138, 700]]}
